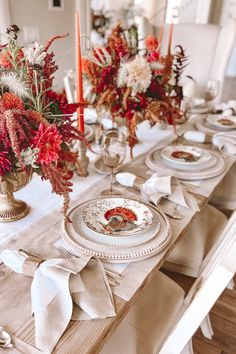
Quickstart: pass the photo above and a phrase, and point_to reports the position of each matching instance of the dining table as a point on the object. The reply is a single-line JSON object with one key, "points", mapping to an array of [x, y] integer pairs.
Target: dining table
{"points": [[41, 229]]}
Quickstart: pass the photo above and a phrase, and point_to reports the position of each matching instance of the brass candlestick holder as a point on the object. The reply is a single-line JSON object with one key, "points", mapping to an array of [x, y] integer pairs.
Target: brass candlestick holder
{"points": [[83, 160]]}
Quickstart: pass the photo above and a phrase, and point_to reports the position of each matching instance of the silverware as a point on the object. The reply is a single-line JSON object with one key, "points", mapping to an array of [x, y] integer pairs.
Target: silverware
{"points": [[66, 254], [175, 215]]}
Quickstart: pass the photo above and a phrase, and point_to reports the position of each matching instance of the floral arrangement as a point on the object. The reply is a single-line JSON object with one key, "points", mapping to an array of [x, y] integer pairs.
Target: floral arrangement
{"points": [[35, 122], [134, 85]]}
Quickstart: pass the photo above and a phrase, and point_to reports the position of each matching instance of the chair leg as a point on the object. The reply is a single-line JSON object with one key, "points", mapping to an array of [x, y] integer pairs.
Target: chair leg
{"points": [[231, 285], [188, 349], [206, 327]]}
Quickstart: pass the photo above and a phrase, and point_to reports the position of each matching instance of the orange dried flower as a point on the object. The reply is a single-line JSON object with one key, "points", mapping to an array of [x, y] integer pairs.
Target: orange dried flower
{"points": [[11, 101], [86, 65], [151, 43]]}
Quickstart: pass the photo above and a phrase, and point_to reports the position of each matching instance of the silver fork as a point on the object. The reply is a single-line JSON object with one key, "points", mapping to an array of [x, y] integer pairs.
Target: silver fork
{"points": [[111, 274]]}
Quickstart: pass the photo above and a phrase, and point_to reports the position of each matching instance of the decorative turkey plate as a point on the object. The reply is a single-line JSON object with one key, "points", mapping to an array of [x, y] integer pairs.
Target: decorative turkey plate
{"points": [[111, 248], [117, 216]]}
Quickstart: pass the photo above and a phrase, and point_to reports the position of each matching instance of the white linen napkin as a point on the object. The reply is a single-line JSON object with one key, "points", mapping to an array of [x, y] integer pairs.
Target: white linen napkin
{"points": [[228, 108], [56, 286], [197, 136], [226, 142], [90, 116], [168, 187], [157, 187]]}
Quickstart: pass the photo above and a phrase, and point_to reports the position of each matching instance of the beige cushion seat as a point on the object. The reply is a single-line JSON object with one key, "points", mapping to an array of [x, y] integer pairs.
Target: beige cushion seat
{"points": [[225, 195], [149, 320], [188, 254]]}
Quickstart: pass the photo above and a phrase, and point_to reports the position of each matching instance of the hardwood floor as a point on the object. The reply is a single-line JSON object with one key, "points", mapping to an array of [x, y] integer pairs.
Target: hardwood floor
{"points": [[223, 319]]}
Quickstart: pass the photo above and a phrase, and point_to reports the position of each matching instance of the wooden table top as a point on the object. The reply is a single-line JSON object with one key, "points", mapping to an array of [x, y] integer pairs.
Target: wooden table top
{"points": [[85, 337]]}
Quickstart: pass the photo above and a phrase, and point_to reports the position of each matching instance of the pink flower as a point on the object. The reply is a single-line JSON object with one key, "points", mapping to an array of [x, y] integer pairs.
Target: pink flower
{"points": [[5, 164], [48, 141]]}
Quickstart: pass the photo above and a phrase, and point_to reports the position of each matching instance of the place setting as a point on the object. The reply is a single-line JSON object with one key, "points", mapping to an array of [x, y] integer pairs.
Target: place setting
{"points": [[214, 123], [186, 162]]}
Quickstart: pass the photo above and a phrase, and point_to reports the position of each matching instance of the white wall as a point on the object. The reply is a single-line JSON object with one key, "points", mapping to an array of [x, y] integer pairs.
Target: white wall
{"points": [[229, 11], [50, 23]]}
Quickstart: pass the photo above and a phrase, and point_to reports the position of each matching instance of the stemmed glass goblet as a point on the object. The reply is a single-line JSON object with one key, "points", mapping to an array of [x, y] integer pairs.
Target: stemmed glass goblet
{"points": [[212, 90], [113, 151]]}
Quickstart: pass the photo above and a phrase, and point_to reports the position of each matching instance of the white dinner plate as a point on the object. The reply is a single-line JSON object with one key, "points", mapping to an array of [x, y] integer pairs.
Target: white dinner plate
{"points": [[221, 122], [187, 157], [134, 248]]}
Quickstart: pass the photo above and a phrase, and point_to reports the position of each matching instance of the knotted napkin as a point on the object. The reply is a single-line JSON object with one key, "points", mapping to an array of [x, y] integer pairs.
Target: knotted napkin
{"points": [[90, 116], [194, 135], [64, 289], [226, 142], [157, 187]]}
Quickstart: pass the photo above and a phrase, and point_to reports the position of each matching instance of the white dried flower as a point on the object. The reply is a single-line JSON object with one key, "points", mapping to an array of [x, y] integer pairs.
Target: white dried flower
{"points": [[122, 75], [30, 156], [36, 55], [139, 75], [104, 57], [14, 83]]}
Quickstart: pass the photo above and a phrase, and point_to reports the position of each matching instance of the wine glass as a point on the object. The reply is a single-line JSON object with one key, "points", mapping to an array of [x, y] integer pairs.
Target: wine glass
{"points": [[212, 90], [113, 151]]}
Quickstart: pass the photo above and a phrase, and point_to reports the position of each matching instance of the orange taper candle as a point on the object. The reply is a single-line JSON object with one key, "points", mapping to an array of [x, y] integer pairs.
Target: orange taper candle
{"points": [[79, 78], [160, 37], [170, 37]]}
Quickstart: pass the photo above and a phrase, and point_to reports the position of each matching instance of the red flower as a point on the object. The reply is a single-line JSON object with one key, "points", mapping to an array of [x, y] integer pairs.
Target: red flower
{"points": [[151, 43], [153, 56], [48, 140], [5, 164], [11, 101], [6, 58]]}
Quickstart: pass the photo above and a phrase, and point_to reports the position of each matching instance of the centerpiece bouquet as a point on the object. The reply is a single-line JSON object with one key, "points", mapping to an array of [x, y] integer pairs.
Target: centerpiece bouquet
{"points": [[35, 124], [132, 84]]}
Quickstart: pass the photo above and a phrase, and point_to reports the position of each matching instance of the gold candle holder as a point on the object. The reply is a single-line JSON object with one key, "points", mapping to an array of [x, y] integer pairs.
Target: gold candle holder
{"points": [[83, 160]]}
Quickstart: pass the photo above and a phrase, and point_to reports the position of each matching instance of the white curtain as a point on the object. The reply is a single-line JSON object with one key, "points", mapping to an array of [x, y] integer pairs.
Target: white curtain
{"points": [[4, 17]]}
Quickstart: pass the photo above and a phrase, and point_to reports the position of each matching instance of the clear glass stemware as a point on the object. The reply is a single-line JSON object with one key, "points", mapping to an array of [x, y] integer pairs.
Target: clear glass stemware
{"points": [[212, 90], [113, 151]]}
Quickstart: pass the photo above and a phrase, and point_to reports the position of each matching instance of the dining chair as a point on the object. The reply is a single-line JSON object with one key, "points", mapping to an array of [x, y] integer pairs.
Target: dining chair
{"points": [[224, 198], [162, 321], [216, 272], [189, 253], [208, 48]]}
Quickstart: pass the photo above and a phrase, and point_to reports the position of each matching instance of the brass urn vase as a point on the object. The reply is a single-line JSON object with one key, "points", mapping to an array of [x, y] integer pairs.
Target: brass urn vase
{"points": [[12, 209]]}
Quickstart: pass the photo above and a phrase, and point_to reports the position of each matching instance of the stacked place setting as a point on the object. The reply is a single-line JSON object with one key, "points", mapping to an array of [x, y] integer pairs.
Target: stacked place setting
{"points": [[116, 229], [186, 162], [215, 123]]}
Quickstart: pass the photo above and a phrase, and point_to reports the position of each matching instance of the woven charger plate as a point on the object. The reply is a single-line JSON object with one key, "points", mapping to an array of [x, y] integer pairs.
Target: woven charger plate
{"points": [[155, 163], [148, 244]]}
